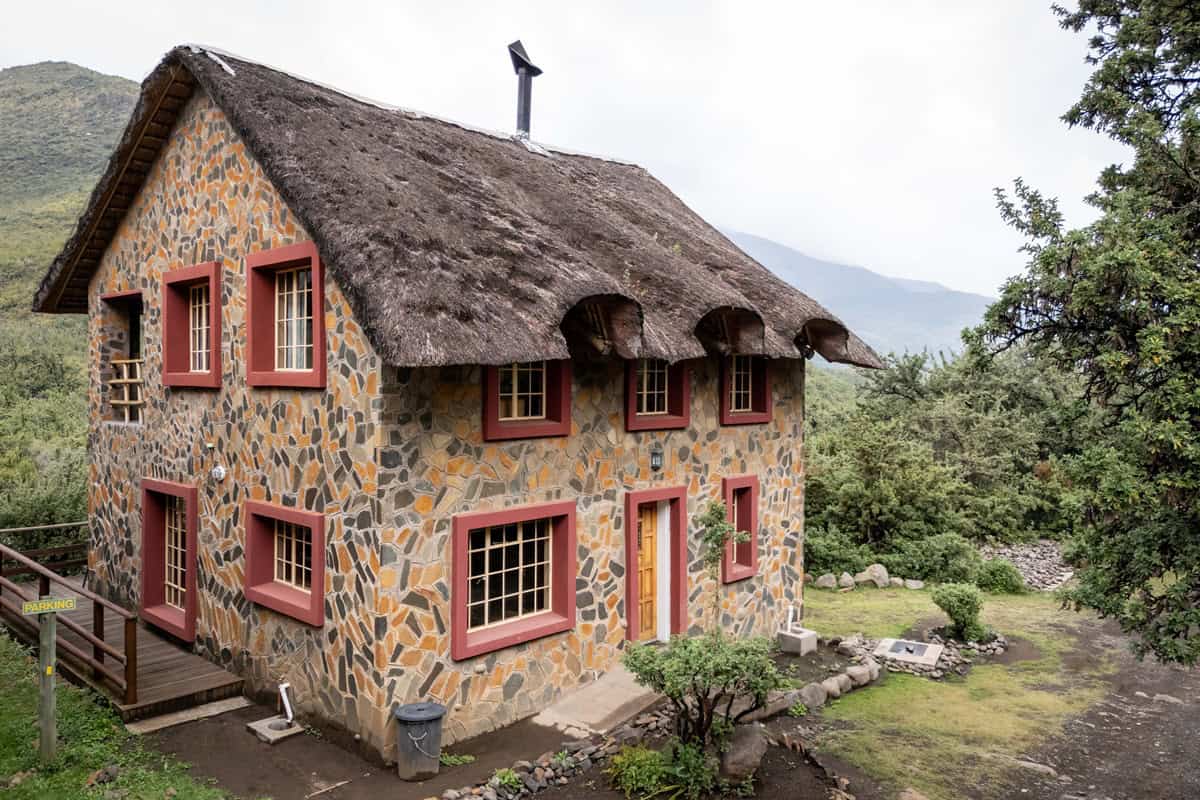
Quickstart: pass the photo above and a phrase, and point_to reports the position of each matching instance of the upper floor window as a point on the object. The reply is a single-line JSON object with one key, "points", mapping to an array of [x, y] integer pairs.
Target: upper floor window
{"points": [[657, 395], [285, 561], [527, 400], [121, 356], [285, 325], [745, 390], [192, 326]]}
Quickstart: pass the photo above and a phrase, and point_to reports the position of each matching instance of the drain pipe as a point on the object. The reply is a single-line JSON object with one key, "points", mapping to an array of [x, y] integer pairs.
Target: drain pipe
{"points": [[287, 706]]}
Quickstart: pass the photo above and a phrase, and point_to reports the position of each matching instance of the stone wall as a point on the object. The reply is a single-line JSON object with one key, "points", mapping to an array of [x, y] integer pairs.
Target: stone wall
{"points": [[434, 464]]}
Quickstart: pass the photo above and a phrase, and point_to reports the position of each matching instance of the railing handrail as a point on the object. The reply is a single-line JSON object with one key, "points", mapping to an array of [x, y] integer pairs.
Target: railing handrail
{"points": [[14, 555], [55, 526]]}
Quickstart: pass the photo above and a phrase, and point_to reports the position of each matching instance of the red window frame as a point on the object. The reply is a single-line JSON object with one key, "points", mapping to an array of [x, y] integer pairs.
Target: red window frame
{"points": [[558, 406], [760, 375], [677, 497], [261, 587], [679, 400], [740, 560], [260, 316], [558, 618], [176, 329], [154, 608]]}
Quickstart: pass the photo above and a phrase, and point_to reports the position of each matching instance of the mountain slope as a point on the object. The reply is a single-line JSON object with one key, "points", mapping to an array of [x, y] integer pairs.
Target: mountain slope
{"points": [[891, 314]]}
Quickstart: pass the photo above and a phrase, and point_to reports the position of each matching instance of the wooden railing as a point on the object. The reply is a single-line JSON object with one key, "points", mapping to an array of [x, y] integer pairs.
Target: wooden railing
{"points": [[13, 594], [52, 546], [125, 389]]}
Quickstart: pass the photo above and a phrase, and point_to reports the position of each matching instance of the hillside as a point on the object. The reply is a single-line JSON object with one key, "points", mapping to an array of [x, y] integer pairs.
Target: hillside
{"points": [[891, 314], [58, 125]]}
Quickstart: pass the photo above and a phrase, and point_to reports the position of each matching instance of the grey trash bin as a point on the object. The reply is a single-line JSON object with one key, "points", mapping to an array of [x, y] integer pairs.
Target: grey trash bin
{"points": [[418, 740]]}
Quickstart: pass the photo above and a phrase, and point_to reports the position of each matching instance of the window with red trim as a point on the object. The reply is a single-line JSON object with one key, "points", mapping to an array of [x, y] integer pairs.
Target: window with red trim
{"points": [[740, 560], [169, 520], [513, 574], [658, 395], [192, 326], [285, 318], [527, 400], [745, 390], [285, 560]]}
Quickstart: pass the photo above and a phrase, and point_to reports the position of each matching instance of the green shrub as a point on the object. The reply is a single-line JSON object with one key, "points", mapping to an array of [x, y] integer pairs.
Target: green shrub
{"points": [[944, 558], [455, 759], [693, 773], [704, 677], [830, 550], [798, 710], [637, 771], [508, 779], [1000, 576], [962, 602]]}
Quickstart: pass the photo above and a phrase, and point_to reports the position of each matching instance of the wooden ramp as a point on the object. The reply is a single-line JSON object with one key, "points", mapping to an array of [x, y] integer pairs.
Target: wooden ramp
{"points": [[155, 675]]}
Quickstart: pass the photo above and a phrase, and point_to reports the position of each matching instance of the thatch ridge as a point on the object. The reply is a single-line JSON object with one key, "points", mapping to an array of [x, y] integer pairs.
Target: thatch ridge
{"points": [[459, 246]]}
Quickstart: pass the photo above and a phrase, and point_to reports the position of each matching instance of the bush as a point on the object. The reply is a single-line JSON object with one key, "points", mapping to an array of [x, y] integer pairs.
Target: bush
{"points": [[944, 558], [830, 550], [693, 773], [637, 771], [1000, 576], [962, 602], [704, 677]]}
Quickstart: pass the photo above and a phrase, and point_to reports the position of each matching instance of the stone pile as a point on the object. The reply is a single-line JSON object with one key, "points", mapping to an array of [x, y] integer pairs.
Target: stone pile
{"points": [[876, 575], [956, 657], [1040, 563]]}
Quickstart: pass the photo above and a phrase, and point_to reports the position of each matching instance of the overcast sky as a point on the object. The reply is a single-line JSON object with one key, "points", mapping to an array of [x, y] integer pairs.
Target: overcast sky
{"points": [[869, 133]]}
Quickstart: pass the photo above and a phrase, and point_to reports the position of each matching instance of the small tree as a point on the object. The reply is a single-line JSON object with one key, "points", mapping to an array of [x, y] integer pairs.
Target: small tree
{"points": [[962, 602], [716, 531]]}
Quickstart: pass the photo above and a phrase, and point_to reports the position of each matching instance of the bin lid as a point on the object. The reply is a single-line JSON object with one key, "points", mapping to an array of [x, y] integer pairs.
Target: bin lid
{"points": [[420, 712]]}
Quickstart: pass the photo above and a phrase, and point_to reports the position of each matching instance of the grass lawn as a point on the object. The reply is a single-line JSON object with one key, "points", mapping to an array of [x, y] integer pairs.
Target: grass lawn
{"points": [[91, 737], [938, 736]]}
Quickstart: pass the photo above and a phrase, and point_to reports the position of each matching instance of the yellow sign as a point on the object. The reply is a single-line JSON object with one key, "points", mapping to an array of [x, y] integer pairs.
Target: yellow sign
{"points": [[48, 605]]}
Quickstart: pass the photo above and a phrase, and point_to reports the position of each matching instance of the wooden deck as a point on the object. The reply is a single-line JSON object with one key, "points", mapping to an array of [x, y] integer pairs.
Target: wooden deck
{"points": [[169, 677]]}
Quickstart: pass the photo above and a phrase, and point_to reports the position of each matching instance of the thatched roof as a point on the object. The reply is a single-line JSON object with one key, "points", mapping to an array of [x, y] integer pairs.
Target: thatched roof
{"points": [[454, 245]]}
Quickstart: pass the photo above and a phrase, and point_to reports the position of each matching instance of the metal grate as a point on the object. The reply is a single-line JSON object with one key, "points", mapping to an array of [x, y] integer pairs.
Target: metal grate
{"points": [[509, 576], [293, 319], [175, 552], [523, 391]]}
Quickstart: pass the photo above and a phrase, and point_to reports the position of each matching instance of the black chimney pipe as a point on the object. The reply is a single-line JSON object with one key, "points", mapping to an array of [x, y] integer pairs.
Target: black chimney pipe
{"points": [[526, 72]]}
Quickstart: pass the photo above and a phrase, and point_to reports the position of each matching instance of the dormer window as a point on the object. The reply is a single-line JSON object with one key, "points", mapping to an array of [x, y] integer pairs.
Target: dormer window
{"points": [[745, 390], [657, 395], [191, 329], [285, 325], [527, 400]]}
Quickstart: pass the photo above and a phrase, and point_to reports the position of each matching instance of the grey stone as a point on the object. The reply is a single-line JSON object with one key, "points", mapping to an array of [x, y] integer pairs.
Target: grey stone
{"points": [[844, 682], [845, 581], [813, 695], [911, 584], [896, 583], [859, 673], [1166, 698], [745, 752], [878, 574], [862, 577], [832, 687], [827, 581]]}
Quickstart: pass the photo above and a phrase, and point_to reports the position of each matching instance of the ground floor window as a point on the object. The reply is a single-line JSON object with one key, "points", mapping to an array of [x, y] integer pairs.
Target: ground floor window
{"points": [[513, 576], [285, 561], [168, 580]]}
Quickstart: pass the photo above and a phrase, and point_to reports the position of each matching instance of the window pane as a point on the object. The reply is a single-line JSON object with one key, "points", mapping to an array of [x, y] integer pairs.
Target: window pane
{"points": [[509, 571]]}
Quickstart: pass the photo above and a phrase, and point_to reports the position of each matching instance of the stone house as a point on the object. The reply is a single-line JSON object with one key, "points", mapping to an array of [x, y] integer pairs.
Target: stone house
{"points": [[393, 409]]}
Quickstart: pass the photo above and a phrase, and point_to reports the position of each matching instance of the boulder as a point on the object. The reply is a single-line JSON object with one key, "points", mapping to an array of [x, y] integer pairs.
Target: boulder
{"points": [[844, 683], [862, 577], [873, 667], [827, 581], [911, 794], [846, 581], [911, 584], [859, 673], [745, 752], [813, 695], [896, 583], [878, 575], [832, 687]]}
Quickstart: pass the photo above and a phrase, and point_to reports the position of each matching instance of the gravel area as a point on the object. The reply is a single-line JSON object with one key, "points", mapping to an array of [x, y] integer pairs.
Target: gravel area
{"points": [[1040, 562]]}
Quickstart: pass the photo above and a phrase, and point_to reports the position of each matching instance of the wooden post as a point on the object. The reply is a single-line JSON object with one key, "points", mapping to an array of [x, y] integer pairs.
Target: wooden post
{"points": [[43, 586], [98, 629], [47, 726], [130, 660]]}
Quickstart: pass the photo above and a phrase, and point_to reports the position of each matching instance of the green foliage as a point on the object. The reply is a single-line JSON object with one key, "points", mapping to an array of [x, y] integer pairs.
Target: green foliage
{"points": [[998, 575], [683, 770], [1118, 302], [455, 759], [798, 710], [561, 760], [962, 602], [943, 558], [508, 779], [830, 550], [692, 772], [637, 771], [704, 676]]}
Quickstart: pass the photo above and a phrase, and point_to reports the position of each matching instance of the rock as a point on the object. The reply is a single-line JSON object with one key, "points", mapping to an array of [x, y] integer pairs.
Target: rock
{"points": [[1166, 698], [911, 794], [826, 581], [862, 577], [873, 666], [860, 674], [896, 583], [911, 584], [844, 682], [813, 695], [106, 775], [745, 752], [878, 574], [832, 687], [1036, 767], [845, 581]]}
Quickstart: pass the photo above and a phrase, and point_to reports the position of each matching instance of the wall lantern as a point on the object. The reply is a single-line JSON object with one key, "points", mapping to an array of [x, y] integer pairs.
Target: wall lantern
{"points": [[656, 457]]}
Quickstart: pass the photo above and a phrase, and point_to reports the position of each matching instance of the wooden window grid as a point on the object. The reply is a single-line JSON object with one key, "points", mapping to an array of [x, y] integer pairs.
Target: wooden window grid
{"points": [[523, 391], [652, 386], [125, 389], [741, 385], [175, 552], [293, 555], [509, 572], [198, 328], [294, 319]]}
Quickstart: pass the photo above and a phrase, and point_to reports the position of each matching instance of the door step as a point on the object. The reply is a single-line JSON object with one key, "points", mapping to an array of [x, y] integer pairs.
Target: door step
{"points": [[205, 711]]}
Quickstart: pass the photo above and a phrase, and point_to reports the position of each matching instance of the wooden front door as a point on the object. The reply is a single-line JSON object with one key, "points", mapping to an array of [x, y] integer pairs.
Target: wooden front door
{"points": [[647, 571]]}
